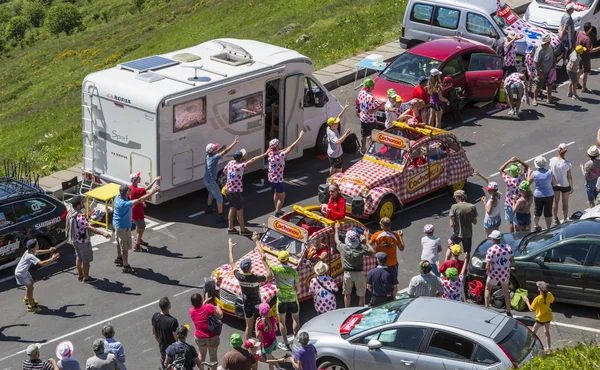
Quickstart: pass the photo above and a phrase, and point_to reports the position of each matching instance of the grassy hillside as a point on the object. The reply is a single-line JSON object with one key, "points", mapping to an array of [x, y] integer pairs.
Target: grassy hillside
{"points": [[40, 115], [584, 356]]}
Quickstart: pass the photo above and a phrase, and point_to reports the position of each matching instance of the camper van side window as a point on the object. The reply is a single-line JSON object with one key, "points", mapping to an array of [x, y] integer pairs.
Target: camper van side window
{"points": [[189, 114], [246, 107]]}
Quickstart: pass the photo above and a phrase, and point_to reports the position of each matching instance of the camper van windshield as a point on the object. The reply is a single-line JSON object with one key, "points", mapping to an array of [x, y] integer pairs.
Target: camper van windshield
{"points": [[279, 242], [246, 107], [189, 114]]}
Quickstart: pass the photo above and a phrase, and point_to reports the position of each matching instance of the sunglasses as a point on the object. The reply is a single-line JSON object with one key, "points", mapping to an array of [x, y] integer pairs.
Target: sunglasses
{"points": [[332, 191]]}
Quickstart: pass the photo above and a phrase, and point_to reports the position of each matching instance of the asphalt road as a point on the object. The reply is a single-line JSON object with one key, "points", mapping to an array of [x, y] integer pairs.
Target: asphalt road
{"points": [[185, 249]]}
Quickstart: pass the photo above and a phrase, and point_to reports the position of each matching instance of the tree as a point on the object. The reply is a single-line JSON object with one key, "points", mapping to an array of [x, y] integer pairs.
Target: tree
{"points": [[36, 12], [16, 28], [63, 17]]}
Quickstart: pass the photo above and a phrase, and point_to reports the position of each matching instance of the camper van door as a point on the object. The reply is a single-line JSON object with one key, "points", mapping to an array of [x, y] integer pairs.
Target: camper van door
{"points": [[293, 113]]}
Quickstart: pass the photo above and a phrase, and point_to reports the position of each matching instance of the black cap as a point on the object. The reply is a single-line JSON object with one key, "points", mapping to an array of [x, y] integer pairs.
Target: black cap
{"points": [[76, 200]]}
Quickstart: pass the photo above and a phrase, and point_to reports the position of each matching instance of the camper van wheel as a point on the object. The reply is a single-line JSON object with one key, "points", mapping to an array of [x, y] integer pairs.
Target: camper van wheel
{"points": [[321, 144], [221, 179]]}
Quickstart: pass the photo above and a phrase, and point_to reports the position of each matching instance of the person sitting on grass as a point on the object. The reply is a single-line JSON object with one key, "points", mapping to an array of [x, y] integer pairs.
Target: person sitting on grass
{"points": [[22, 274]]}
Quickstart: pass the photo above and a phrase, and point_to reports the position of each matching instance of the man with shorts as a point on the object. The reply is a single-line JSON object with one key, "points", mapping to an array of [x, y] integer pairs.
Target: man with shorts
{"points": [[213, 154], [514, 87], [122, 224], [234, 188], [585, 65], [367, 112], [463, 216], [334, 142], [512, 182], [388, 242], [498, 258], [275, 173], [352, 252], [137, 211], [566, 31], [249, 283], [288, 284], [544, 62], [78, 230]]}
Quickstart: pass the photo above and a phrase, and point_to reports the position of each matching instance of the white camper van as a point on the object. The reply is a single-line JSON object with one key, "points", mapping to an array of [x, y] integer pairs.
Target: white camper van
{"points": [[157, 114]]}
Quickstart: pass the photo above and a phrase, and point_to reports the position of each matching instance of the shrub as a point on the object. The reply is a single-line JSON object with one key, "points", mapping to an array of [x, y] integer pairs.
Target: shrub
{"points": [[35, 11], [583, 356], [138, 4], [63, 17], [16, 28]]}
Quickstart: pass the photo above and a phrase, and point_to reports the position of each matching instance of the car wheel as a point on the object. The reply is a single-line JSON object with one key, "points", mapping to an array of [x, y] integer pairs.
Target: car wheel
{"points": [[332, 365], [513, 284], [221, 179], [386, 208], [321, 145]]}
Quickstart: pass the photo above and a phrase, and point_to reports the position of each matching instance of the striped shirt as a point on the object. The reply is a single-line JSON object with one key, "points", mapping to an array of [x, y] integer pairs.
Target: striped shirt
{"points": [[37, 365], [425, 285]]}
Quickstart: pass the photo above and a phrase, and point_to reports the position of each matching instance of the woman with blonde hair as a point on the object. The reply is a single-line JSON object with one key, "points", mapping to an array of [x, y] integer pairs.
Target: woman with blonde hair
{"points": [[436, 99]]}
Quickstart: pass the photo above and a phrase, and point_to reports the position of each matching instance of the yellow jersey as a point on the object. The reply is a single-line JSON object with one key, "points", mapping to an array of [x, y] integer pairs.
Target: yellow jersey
{"points": [[543, 312]]}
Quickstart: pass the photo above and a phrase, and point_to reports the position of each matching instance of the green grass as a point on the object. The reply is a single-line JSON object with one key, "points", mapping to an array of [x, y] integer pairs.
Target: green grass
{"points": [[584, 356], [40, 114]]}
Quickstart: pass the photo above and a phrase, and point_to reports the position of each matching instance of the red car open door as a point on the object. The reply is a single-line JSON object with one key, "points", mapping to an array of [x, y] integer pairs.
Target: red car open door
{"points": [[484, 76]]}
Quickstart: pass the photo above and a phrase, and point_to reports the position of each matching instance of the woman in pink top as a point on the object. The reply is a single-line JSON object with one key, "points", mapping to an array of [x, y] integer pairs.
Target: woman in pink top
{"points": [[205, 339], [266, 331]]}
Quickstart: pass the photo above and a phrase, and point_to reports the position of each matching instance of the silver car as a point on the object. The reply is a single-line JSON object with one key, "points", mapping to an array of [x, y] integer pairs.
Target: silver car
{"points": [[421, 334]]}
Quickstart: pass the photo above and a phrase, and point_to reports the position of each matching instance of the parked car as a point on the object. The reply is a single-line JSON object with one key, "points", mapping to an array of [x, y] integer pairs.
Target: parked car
{"points": [[566, 256], [27, 212], [485, 21], [469, 66], [546, 14], [420, 334], [402, 164], [296, 232]]}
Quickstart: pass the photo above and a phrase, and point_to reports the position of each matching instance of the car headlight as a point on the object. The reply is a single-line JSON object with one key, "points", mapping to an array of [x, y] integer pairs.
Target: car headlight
{"points": [[476, 262], [364, 192]]}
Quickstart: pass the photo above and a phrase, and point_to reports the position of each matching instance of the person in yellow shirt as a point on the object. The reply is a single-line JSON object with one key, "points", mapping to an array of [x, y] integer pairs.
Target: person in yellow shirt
{"points": [[543, 312]]}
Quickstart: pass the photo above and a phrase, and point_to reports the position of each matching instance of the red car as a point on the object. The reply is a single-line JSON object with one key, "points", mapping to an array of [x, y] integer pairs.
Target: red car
{"points": [[472, 67]]}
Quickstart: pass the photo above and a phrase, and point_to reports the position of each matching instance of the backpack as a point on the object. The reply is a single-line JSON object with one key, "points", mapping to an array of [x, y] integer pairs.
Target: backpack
{"points": [[497, 299], [179, 359], [517, 302], [475, 291]]}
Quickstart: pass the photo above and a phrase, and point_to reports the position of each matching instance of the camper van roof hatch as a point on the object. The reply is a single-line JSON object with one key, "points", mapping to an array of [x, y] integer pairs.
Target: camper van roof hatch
{"points": [[231, 54], [148, 64], [148, 77]]}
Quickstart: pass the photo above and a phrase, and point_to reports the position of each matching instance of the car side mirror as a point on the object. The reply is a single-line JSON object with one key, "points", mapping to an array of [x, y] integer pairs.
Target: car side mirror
{"points": [[321, 99], [494, 35], [448, 80], [540, 261], [374, 345]]}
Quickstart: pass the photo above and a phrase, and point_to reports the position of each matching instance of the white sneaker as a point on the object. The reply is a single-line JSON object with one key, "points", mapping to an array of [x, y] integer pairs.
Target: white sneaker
{"points": [[510, 112]]}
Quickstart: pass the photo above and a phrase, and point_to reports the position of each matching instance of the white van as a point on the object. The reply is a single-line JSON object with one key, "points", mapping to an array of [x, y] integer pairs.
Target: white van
{"points": [[485, 21], [157, 114], [547, 14]]}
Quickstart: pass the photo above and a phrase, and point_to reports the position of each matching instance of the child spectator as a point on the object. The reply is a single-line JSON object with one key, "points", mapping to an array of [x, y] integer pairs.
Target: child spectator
{"points": [[393, 108], [431, 248], [543, 312], [266, 331], [453, 284], [305, 358], [454, 261], [323, 289]]}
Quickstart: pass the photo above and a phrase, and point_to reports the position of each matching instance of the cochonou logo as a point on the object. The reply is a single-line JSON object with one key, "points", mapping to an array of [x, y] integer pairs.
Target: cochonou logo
{"points": [[118, 98]]}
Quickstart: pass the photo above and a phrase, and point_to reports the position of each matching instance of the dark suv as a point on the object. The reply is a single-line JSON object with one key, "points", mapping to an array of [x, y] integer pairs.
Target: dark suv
{"points": [[27, 212]]}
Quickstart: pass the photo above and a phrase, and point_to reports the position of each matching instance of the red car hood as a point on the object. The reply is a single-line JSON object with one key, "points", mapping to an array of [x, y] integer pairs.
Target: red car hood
{"points": [[365, 173], [382, 86]]}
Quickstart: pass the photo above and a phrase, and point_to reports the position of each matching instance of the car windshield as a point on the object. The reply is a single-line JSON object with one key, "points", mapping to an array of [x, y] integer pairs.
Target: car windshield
{"points": [[536, 241], [408, 67], [386, 152], [518, 343], [584, 4], [587, 227], [380, 315], [279, 242]]}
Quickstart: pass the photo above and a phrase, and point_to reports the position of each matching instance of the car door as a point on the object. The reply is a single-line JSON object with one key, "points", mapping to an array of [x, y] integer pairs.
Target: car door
{"points": [[484, 76], [445, 22], [591, 284], [563, 268], [479, 28], [446, 350], [314, 103], [11, 238], [399, 351], [454, 69]]}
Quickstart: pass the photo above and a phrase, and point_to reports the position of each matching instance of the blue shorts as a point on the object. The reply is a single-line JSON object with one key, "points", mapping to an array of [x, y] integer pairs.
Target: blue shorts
{"points": [[278, 187], [509, 215], [213, 190], [522, 219], [590, 190], [492, 222]]}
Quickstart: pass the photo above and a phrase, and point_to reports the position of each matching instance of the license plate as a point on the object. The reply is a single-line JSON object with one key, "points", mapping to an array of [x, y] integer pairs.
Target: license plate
{"points": [[380, 114], [225, 306], [348, 209]]}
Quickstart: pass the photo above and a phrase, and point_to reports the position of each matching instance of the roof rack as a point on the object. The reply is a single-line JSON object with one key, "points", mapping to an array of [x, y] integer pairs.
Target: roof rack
{"points": [[10, 188]]}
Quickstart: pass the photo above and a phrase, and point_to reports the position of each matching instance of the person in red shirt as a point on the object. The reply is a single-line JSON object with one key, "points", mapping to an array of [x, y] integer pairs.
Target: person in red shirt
{"points": [[137, 212], [420, 92], [336, 208], [455, 262], [585, 65]]}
